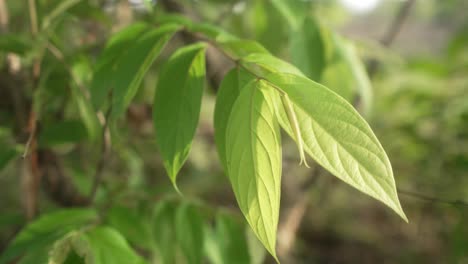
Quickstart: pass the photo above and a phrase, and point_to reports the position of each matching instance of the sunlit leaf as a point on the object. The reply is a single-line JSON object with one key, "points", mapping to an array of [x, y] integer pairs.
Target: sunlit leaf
{"points": [[229, 90], [339, 139], [177, 105], [254, 161]]}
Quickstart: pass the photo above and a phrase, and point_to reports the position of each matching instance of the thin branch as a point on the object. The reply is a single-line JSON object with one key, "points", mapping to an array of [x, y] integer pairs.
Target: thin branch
{"points": [[457, 202], [33, 17], [392, 32], [105, 150]]}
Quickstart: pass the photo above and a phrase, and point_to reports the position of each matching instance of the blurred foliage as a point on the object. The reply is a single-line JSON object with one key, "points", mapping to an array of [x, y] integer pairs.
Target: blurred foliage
{"points": [[417, 106]]}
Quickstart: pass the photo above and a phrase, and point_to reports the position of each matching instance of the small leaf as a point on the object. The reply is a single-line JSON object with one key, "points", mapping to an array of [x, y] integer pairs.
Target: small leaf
{"points": [[134, 64], [307, 49], [339, 139], [189, 230], [254, 161], [177, 106], [229, 90], [42, 233]]}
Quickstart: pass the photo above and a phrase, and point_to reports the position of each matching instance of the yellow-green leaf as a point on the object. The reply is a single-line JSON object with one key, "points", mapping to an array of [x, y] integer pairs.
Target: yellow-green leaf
{"points": [[253, 148]]}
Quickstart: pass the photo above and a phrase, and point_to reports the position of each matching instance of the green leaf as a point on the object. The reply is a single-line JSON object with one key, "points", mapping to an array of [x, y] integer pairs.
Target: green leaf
{"points": [[131, 225], [40, 234], [163, 231], [261, 64], [177, 106], [134, 64], [62, 7], [293, 11], [254, 161], [68, 131], [339, 139], [231, 240], [347, 76], [308, 49], [87, 113], [15, 43], [189, 231], [103, 78], [234, 81], [6, 155], [237, 49], [211, 31], [106, 245]]}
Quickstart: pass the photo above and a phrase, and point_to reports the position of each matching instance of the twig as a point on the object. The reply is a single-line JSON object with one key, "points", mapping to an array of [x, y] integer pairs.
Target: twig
{"points": [[4, 18], [392, 32], [457, 202], [33, 16], [105, 149]]}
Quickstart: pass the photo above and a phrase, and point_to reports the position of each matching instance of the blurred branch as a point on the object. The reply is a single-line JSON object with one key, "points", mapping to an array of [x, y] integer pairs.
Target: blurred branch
{"points": [[4, 18], [105, 150], [395, 28], [216, 65], [430, 199]]}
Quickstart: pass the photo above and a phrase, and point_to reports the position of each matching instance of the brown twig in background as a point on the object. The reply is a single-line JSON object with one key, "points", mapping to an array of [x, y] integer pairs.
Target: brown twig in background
{"points": [[395, 28], [4, 17], [105, 150], [457, 202], [32, 175]]}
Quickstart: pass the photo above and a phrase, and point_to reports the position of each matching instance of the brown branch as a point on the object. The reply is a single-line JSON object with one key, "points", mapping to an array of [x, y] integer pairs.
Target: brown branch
{"points": [[430, 199], [105, 150], [393, 30], [4, 17]]}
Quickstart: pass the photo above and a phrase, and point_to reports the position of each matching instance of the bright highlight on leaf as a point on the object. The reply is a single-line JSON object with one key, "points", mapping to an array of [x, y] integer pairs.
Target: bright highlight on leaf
{"points": [[338, 138], [253, 149], [177, 106], [291, 114]]}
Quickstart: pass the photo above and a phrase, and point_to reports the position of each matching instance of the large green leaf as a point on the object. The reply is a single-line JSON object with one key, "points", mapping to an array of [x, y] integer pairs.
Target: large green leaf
{"points": [[229, 90], [307, 49], [177, 105], [338, 138], [135, 63], [36, 237], [189, 231], [254, 161]]}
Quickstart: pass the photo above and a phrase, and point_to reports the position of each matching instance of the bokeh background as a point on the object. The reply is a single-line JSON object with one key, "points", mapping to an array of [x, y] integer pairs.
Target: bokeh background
{"points": [[416, 55]]}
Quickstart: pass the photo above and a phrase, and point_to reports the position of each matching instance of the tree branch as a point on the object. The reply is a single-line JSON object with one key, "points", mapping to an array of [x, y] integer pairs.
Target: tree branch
{"points": [[392, 32]]}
